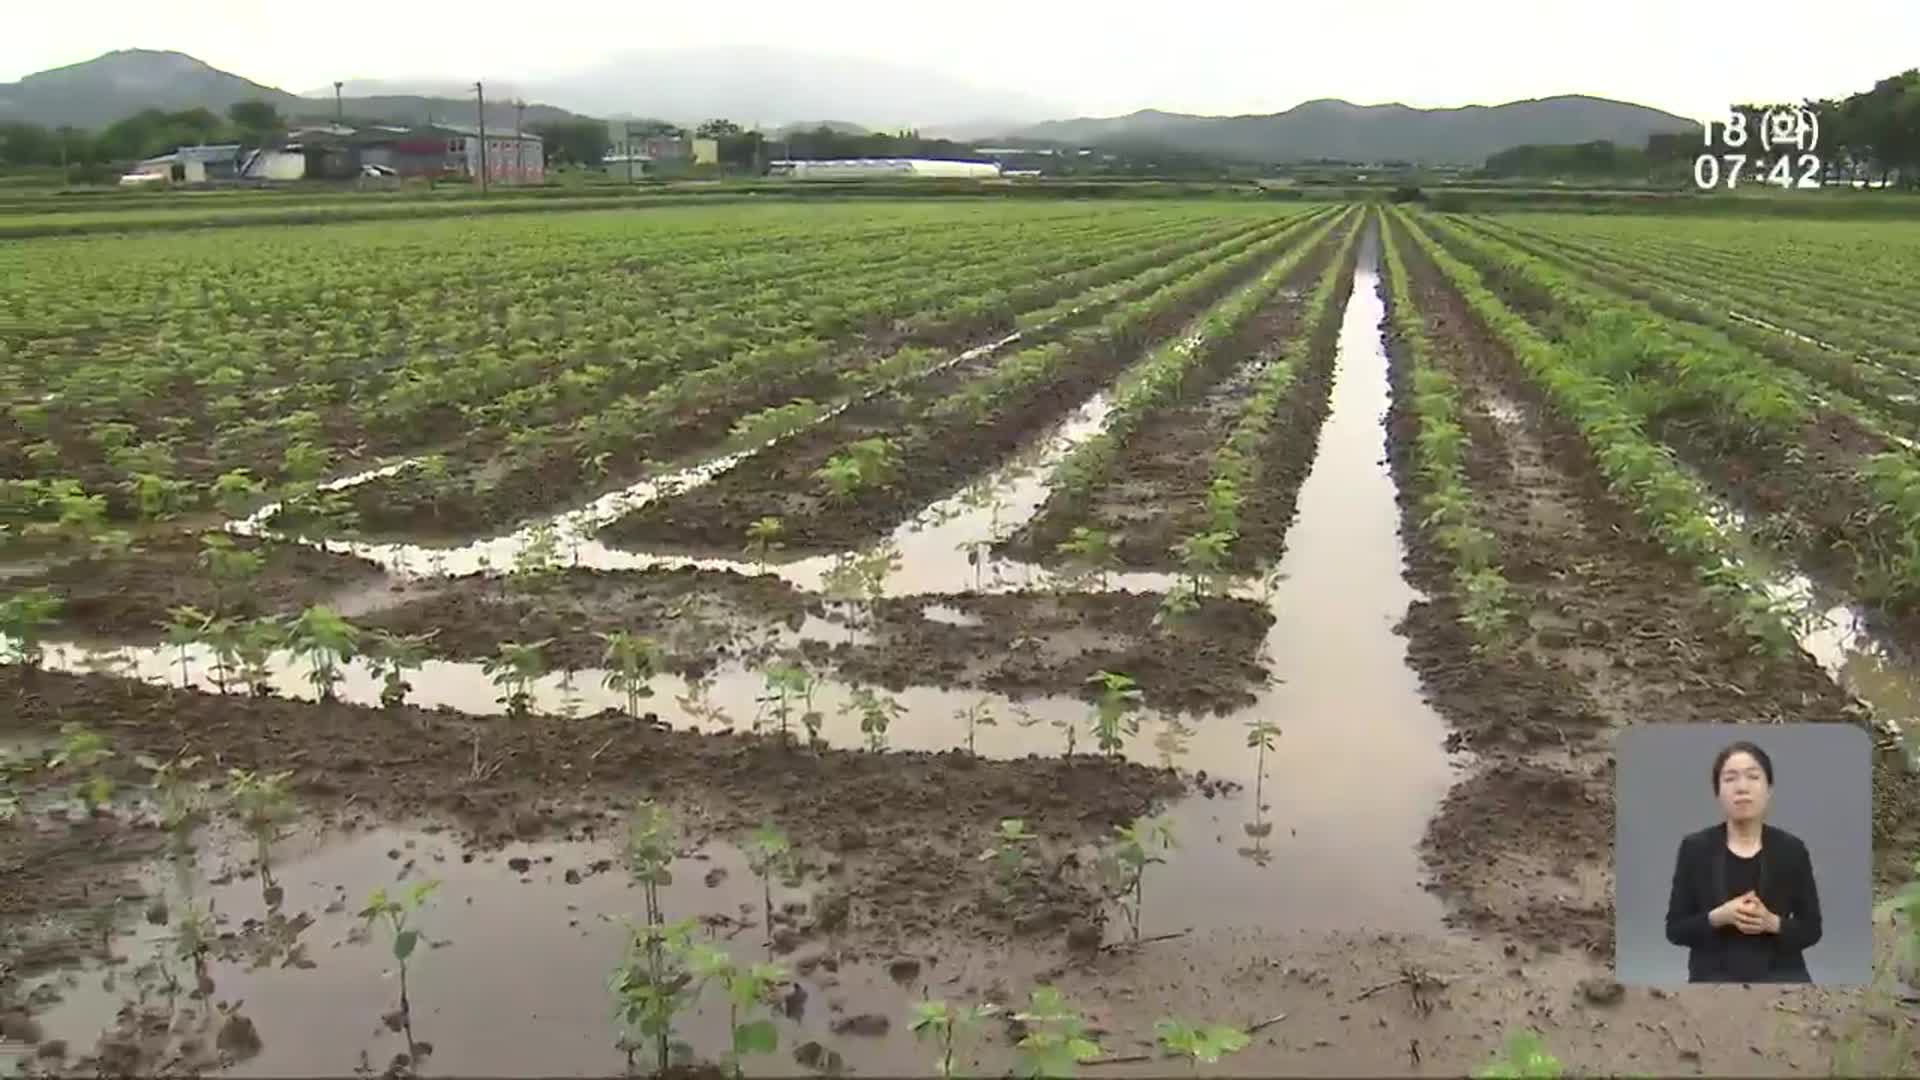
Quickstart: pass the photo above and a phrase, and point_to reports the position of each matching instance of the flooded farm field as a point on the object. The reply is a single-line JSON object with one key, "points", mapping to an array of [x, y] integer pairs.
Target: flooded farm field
{"points": [[1098, 674]]}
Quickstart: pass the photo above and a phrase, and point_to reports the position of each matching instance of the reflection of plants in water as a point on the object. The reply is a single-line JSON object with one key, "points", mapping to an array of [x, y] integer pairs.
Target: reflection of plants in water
{"points": [[538, 560], [325, 641], [763, 539], [1009, 850], [177, 800], [392, 657], [1525, 1055], [1200, 1043], [747, 988], [857, 579], [789, 688], [697, 702], [24, 620], [1115, 711], [977, 715], [1171, 742], [946, 1026], [513, 671], [1261, 736], [1092, 551], [1056, 1041], [1123, 865], [768, 849], [84, 750], [261, 801], [397, 914], [632, 661], [876, 711]]}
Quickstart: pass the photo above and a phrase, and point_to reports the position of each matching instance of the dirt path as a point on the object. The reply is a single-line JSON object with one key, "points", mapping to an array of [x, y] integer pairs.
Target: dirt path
{"points": [[1616, 632]]}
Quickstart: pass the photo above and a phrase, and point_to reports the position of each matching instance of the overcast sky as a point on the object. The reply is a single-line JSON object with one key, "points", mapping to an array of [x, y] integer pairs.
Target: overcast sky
{"points": [[1088, 57]]}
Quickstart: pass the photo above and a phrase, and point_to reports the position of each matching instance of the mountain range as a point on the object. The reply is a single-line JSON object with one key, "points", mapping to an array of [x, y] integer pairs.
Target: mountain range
{"points": [[771, 88]]}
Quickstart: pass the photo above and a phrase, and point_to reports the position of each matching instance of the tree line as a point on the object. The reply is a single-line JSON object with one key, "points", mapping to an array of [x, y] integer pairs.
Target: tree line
{"points": [[145, 134]]}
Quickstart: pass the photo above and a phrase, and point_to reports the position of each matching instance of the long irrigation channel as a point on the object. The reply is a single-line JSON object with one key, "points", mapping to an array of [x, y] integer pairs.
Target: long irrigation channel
{"points": [[1323, 834]]}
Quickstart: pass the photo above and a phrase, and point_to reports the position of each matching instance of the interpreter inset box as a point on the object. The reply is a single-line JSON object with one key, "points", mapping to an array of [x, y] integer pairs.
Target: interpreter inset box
{"points": [[1743, 853]]}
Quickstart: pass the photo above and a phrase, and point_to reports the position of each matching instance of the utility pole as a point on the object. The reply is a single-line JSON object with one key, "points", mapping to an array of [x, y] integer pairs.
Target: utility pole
{"points": [[519, 144], [339, 117], [481, 93], [629, 148]]}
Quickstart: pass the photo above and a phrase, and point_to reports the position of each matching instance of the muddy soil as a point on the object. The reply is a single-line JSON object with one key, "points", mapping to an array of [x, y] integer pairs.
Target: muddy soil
{"points": [[1614, 632], [1020, 644], [128, 599], [1155, 493], [935, 461], [897, 835]]}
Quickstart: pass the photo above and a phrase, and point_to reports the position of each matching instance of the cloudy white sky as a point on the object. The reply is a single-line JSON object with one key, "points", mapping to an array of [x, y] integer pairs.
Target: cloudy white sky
{"points": [[1087, 57]]}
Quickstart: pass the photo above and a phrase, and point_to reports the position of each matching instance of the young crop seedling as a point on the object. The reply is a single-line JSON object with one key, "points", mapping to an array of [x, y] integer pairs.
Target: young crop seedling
{"points": [[768, 849], [1123, 865], [234, 491], [186, 627], [1200, 1044], [651, 984], [514, 669], [876, 711], [1525, 1058], [261, 801], [538, 561], [863, 465], [24, 619], [1203, 557], [325, 641], [1009, 851], [1863, 1047], [85, 750], [1093, 551], [763, 539], [947, 1026], [1115, 712], [233, 570], [255, 645], [977, 715], [392, 656], [1056, 1042], [790, 687], [632, 661], [176, 800], [747, 988], [397, 914]]}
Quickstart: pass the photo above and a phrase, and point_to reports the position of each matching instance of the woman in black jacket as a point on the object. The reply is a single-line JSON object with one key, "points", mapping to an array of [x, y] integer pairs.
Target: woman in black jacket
{"points": [[1744, 904]]}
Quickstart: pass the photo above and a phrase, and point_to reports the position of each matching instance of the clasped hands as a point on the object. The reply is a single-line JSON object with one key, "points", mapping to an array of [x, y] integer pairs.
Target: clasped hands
{"points": [[1746, 914]]}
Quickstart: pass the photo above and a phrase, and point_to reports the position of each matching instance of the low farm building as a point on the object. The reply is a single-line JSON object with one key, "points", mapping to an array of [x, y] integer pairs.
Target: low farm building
{"points": [[864, 168]]}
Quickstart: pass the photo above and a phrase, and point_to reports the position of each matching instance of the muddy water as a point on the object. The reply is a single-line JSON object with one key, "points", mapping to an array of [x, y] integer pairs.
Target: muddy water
{"points": [[1330, 843], [511, 977], [1358, 768]]}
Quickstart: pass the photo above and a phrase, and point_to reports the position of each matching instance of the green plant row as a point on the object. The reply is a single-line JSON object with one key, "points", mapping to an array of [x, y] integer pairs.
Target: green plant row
{"points": [[1167, 370], [1846, 294], [1697, 372], [1236, 463], [1846, 319], [1449, 514], [1117, 330], [1689, 300], [1641, 472]]}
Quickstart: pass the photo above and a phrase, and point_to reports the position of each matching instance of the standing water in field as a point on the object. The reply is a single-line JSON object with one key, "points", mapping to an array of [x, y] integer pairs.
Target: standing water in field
{"points": [[1357, 769]]}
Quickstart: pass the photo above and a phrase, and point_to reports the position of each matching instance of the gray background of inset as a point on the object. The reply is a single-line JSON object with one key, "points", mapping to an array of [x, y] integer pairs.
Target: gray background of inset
{"points": [[1822, 793]]}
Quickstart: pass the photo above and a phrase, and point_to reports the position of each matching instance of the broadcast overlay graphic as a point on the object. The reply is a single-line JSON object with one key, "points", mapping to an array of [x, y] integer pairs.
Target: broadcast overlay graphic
{"points": [[1743, 854]]}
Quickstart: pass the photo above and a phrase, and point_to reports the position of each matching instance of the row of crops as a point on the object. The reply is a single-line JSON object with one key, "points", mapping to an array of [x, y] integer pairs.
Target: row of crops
{"points": [[163, 374], [1699, 385]]}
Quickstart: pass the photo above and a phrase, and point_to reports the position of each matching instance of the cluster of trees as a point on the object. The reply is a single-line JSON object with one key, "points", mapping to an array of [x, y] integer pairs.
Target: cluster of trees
{"points": [[1872, 135], [142, 135]]}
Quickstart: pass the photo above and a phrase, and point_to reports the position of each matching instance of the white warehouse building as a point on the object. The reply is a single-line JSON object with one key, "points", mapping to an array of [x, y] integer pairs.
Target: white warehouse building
{"points": [[862, 168]]}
